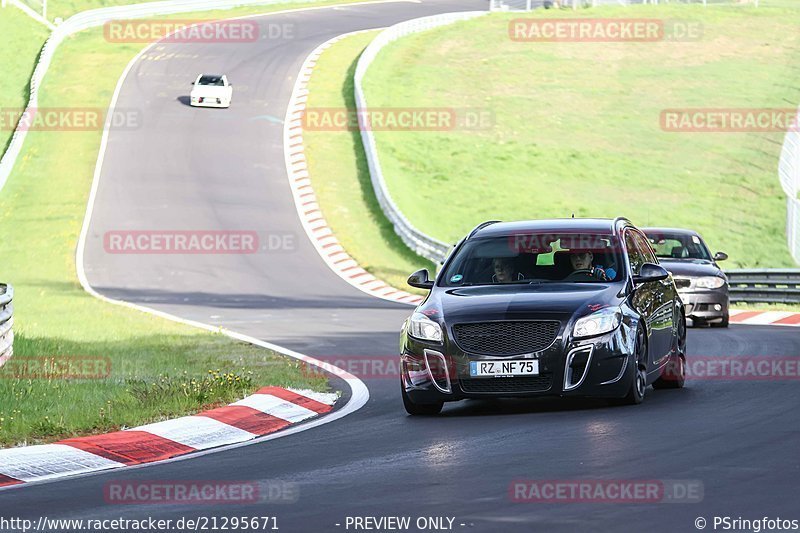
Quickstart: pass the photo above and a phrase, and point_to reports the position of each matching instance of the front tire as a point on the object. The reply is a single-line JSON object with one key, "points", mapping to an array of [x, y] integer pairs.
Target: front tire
{"points": [[638, 387], [419, 409], [724, 323]]}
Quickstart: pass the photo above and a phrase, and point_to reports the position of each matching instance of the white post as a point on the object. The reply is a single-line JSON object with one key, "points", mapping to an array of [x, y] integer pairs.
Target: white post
{"points": [[529, 6]]}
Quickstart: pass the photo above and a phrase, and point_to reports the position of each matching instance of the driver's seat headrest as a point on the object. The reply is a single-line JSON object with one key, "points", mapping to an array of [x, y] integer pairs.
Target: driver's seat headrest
{"points": [[678, 252]]}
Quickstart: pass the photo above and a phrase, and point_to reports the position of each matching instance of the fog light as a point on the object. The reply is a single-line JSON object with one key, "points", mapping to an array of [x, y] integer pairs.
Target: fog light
{"points": [[578, 361], [438, 370], [415, 369], [717, 307]]}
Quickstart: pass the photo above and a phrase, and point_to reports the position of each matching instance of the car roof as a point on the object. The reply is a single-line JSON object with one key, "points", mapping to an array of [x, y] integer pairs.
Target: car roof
{"points": [[589, 225], [679, 231]]}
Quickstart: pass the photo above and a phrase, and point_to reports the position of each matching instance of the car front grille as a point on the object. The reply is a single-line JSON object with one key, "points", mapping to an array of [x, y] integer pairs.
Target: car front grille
{"points": [[511, 385], [511, 337]]}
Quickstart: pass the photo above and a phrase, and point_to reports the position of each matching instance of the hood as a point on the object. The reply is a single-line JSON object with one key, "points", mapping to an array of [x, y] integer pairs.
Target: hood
{"points": [[690, 268], [517, 302]]}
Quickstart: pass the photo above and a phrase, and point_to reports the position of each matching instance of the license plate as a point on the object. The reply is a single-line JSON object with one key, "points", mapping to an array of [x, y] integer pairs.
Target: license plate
{"points": [[527, 367]]}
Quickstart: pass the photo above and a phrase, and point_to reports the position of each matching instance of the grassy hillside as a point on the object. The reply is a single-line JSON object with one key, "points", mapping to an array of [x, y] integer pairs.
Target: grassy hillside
{"points": [[576, 126], [23, 37]]}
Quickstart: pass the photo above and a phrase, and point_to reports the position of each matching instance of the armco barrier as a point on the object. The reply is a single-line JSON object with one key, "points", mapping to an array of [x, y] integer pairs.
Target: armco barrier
{"points": [[422, 244], [6, 323], [764, 286], [98, 17]]}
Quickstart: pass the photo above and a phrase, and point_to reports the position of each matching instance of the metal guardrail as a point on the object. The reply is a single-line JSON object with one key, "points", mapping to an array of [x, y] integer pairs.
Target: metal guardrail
{"points": [[764, 286], [424, 245], [6, 323], [98, 17]]}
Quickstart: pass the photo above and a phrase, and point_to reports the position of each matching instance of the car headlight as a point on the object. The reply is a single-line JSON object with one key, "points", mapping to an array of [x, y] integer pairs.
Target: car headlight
{"points": [[422, 327], [597, 323], [709, 282]]}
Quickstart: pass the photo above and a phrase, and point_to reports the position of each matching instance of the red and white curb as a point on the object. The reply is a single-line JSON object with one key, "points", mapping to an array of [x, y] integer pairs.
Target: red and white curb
{"points": [[269, 410], [764, 318], [305, 200]]}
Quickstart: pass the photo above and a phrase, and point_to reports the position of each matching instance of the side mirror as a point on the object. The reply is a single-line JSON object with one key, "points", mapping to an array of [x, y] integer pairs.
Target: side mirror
{"points": [[419, 279], [651, 272], [720, 256]]}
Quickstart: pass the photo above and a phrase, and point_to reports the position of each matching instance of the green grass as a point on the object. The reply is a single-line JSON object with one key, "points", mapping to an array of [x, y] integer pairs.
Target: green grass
{"points": [[340, 177], [159, 369], [66, 8], [576, 127], [22, 39]]}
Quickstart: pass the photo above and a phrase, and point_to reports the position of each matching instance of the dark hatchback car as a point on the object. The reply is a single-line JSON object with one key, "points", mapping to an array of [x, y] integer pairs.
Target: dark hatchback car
{"points": [[702, 285], [572, 307]]}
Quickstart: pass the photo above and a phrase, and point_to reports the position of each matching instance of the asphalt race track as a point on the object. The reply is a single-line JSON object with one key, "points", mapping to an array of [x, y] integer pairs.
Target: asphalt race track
{"points": [[201, 169]]}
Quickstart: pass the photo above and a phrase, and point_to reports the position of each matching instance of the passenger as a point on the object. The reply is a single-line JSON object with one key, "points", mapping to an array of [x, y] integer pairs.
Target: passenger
{"points": [[504, 271]]}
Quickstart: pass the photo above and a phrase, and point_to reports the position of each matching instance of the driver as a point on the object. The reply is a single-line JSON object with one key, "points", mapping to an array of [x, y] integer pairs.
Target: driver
{"points": [[582, 264]]}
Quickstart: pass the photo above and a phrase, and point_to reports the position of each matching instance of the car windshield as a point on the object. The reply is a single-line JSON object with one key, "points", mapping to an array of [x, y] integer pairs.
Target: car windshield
{"points": [[532, 258], [211, 80], [678, 246]]}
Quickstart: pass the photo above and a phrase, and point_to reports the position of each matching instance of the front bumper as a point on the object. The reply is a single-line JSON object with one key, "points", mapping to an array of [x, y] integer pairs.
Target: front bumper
{"points": [[598, 367], [707, 305]]}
